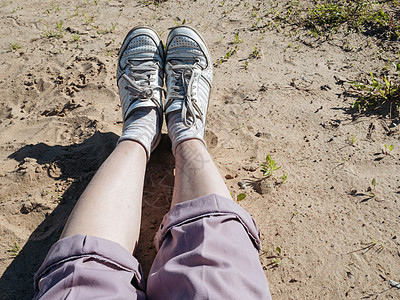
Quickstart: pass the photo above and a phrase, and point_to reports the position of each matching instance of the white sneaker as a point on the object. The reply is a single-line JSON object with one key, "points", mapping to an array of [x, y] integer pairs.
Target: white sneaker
{"points": [[140, 77], [188, 78]]}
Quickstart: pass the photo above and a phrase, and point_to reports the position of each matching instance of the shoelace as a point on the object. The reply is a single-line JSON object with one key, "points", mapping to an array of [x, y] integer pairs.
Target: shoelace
{"points": [[189, 105], [144, 90]]}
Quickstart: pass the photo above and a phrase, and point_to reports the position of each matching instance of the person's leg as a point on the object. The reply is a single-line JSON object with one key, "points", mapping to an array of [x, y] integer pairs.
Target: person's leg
{"points": [[88, 261], [195, 173], [208, 245], [111, 205]]}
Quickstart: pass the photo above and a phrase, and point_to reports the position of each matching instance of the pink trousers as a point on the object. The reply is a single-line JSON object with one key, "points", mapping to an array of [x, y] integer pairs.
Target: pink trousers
{"points": [[207, 249]]}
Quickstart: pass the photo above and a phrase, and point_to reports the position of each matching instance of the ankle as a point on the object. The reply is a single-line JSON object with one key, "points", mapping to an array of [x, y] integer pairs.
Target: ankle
{"points": [[144, 127], [191, 144], [130, 146]]}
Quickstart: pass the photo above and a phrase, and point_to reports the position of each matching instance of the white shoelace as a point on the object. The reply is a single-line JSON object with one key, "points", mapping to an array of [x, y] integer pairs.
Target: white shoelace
{"points": [[144, 90], [183, 79]]}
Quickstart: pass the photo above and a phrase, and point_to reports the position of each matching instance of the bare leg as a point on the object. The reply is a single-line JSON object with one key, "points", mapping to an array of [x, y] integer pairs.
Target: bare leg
{"points": [[110, 207], [196, 174]]}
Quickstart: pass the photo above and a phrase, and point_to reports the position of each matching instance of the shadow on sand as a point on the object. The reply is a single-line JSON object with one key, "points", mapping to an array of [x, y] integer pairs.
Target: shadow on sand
{"points": [[79, 162]]}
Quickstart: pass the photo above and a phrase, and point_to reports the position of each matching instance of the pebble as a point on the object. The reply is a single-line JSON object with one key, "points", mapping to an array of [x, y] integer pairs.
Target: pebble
{"points": [[242, 185], [250, 168]]}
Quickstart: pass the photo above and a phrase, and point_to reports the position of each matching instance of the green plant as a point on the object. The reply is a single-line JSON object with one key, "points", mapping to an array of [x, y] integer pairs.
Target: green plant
{"points": [[228, 11], [241, 196], [18, 8], [363, 15], [237, 40], [276, 261], [388, 150], [15, 46], [284, 177], [182, 23], [148, 2], [59, 25], [274, 255], [231, 51], [88, 19], [15, 249], [269, 167], [374, 187], [255, 53], [295, 213], [109, 29], [352, 140], [53, 8], [378, 92], [246, 64], [76, 37], [374, 243], [110, 42], [50, 33], [113, 26], [323, 17]]}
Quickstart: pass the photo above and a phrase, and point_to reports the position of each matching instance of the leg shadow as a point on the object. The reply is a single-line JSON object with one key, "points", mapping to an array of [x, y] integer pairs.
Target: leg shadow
{"points": [[80, 162], [157, 195]]}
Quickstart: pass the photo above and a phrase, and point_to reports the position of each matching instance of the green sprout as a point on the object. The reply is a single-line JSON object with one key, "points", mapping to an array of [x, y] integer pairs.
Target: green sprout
{"points": [[374, 185], [255, 53], [237, 40], [269, 167], [378, 92], [241, 196], [388, 150], [76, 37], [284, 177], [352, 139], [15, 249], [14, 46], [59, 25]]}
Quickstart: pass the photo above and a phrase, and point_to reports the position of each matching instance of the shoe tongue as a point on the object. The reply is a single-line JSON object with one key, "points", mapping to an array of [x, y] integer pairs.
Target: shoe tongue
{"points": [[182, 62], [188, 60], [142, 62]]}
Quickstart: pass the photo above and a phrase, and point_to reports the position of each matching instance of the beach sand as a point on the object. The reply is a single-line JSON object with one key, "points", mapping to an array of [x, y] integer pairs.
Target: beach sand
{"points": [[277, 90]]}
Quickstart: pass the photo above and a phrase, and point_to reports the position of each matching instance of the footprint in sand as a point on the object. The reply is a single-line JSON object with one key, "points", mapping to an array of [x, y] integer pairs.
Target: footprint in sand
{"points": [[211, 139]]}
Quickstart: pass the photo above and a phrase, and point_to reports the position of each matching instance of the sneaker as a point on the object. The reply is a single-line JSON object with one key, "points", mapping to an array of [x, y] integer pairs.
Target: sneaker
{"points": [[188, 78], [140, 78]]}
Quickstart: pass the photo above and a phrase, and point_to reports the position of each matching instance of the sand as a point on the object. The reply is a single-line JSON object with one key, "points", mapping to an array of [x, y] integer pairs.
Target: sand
{"points": [[60, 118]]}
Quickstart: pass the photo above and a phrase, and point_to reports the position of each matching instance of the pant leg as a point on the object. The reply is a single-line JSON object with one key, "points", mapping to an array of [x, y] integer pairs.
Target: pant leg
{"points": [[208, 249], [86, 267]]}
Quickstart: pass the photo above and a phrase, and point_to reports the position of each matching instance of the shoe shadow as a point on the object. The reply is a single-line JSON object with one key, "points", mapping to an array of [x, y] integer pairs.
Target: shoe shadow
{"points": [[78, 163]]}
